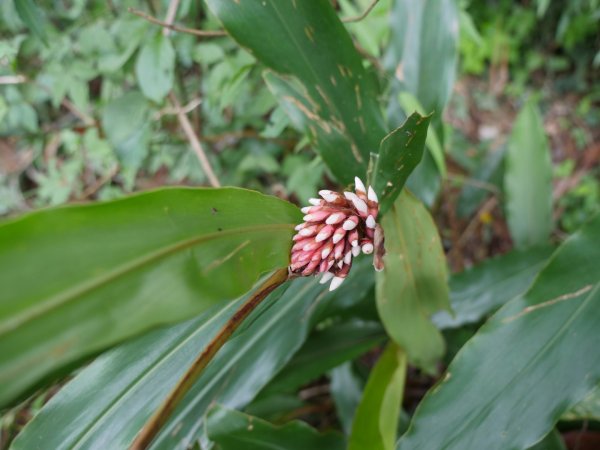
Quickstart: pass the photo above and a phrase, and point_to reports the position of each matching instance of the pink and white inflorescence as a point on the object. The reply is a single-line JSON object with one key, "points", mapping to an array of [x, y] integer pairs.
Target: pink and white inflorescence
{"points": [[336, 229]]}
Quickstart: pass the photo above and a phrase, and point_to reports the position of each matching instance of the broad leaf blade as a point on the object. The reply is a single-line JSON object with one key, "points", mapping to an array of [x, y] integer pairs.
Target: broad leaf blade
{"points": [[108, 402], [424, 45], [233, 430], [32, 16], [107, 271], [374, 426], [399, 153], [480, 290], [307, 41], [326, 349], [413, 284], [528, 180], [155, 67], [545, 341]]}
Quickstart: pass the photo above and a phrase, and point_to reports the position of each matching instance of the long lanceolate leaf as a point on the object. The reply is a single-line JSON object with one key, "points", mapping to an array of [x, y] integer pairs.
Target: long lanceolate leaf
{"points": [[495, 394], [138, 375], [104, 272], [308, 46]]}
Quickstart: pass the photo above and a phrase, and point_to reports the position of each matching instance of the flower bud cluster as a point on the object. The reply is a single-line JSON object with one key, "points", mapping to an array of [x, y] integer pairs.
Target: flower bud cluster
{"points": [[336, 229]]}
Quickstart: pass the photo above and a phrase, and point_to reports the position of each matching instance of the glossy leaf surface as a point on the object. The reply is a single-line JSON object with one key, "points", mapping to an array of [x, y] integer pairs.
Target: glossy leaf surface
{"points": [[307, 42], [107, 271], [141, 372], [528, 180], [325, 350], [543, 341], [482, 289], [413, 284], [233, 430], [399, 153], [424, 44], [376, 420]]}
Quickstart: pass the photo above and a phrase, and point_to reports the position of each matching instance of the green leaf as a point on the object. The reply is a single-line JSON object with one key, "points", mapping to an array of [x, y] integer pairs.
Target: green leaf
{"points": [[346, 389], [413, 284], [399, 153], [483, 288], [233, 430], [155, 67], [587, 409], [326, 349], [410, 103], [32, 17], [105, 272], [424, 45], [528, 180], [125, 122], [374, 426], [528, 364], [307, 45], [552, 441], [90, 412]]}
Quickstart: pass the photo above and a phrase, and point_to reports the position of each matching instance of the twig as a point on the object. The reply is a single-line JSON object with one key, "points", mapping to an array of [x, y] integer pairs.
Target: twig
{"points": [[192, 105], [91, 190], [162, 414], [171, 12], [13, 79], [194, 141], [154, 20], [363, 15]]}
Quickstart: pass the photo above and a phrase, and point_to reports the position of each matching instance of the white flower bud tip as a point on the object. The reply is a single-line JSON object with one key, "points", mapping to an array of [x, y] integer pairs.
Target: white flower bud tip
{"points": [[359, 204], [372, 195], [340, 264], [348, 257], [337, 237], [349, 225], [306, 209], [325, 252], [335, 218], [326, 277], [367, 248], [306, 232], [371, 222], [328, 196], [335, 283], [358, 185], [355, 251], [299, 227], [314, 201]]}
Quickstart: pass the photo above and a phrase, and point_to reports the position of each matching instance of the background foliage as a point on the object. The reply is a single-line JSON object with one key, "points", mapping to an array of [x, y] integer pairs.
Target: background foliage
{"points": [[286, 99]]}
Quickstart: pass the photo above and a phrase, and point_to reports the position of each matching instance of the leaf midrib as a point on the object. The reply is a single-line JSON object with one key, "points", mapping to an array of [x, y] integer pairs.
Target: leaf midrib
{"points": [[565, 326], [61, 298], [227, 366]]}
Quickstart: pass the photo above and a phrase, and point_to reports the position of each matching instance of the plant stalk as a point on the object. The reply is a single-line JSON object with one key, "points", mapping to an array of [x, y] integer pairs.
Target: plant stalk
{"points": [[162, 414]]}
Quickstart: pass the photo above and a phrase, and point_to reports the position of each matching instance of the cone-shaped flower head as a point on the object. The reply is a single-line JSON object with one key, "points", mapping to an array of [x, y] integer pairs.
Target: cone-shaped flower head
{"points": [[336, 229]]}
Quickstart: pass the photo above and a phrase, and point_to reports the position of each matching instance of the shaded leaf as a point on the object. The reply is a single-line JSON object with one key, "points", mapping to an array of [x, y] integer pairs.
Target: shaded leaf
{"points": [[528, 180], [586, 409], [307, 45], [543, 341], [376, 420], [399, 153], [136, 376], [233, 430], [32, 17], [413, 284], [155, 66], [480, 290], [107, 271], [346, 389], [423, 49], [552, 441], [326, 349]]}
